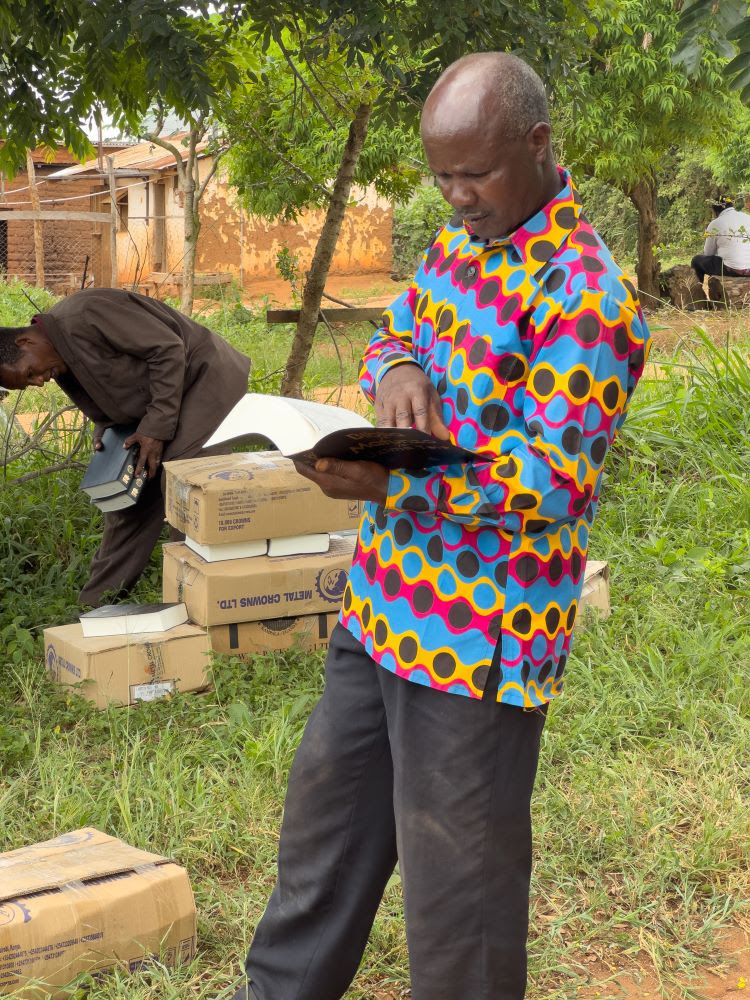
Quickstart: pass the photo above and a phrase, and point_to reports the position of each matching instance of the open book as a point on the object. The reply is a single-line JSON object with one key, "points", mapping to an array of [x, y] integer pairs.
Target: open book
{"points": [[306, 431]]}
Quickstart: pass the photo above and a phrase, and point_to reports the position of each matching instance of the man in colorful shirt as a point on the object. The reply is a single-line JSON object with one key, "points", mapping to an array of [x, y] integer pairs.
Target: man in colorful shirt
{"points": [[520, 339]]}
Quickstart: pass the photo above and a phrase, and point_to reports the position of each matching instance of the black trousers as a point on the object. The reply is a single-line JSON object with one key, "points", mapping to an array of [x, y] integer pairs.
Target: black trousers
{"points": [[706, 263], [389, 771]]}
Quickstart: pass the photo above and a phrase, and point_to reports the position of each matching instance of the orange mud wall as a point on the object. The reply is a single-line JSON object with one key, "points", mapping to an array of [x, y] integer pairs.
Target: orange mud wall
{"points": [[230, 240]]}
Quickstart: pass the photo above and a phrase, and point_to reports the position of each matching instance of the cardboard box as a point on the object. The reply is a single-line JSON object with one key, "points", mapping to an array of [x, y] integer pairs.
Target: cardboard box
{"points": [[251, 590], [241, 498], [85, 902], [308, 632], [595, 593], [124, 669]]}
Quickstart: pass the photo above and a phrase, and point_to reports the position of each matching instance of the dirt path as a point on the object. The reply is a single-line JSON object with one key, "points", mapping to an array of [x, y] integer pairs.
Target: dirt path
{"points": [[728, 977], [374, 289]]}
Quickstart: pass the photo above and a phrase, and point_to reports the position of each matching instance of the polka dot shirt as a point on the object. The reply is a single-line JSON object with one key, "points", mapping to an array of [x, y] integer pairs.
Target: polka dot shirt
{"points": [[535, 343]]}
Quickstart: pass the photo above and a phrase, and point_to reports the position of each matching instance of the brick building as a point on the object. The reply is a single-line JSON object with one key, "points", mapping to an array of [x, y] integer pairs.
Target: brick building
{"points": [[70, 246]]}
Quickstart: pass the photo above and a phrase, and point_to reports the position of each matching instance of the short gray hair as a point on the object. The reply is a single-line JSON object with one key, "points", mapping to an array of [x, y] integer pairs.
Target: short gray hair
{"points": [[518, 89]]}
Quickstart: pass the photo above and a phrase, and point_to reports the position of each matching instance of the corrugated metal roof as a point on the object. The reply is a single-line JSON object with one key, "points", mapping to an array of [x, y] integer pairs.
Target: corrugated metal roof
{"points": [[144, 156]]}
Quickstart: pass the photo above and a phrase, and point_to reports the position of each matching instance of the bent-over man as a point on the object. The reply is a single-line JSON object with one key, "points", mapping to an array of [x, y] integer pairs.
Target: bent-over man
{"points": [[123, 358], [519, 338]]}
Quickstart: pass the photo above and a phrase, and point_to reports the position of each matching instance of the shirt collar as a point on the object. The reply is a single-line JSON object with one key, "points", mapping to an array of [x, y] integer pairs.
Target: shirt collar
{"points": [[541, 236]]}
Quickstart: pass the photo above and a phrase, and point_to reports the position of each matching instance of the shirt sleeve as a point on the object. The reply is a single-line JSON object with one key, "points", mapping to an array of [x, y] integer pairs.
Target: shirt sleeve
{"points": [[711, 245], [577, 392], [131, 329], [392, 344]]}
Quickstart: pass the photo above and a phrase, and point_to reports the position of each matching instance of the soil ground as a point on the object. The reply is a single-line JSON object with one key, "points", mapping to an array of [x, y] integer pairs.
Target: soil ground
{"points": [[669, 326], [727, 976]]}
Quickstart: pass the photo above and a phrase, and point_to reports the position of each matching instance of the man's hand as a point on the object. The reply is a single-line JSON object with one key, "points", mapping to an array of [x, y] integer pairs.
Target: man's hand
{"points": [[149, 453], [407, 398], [348, 480], [98, 440]]}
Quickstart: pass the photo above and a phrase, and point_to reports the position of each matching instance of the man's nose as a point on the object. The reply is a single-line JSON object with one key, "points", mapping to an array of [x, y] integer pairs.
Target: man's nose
{"points": [[461, 194], [37, 380]]}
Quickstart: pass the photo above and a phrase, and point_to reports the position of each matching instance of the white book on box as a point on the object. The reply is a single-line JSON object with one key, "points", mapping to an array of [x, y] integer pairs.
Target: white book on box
{"points": [[132, 619], [304, 430], [299, 545], [219, 551]]}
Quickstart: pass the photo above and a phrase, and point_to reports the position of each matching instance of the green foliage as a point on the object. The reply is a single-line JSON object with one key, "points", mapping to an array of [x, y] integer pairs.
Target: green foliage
{"points": [[612, 215], [61, 61], [19, 302], [409, 42], [414, 226], [724, 26], [729, 161], [288, 138], [624, 111]]}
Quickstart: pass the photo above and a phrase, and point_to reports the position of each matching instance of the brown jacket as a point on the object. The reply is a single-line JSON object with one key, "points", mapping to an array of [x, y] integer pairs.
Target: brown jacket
{"points": [[134, 359]]}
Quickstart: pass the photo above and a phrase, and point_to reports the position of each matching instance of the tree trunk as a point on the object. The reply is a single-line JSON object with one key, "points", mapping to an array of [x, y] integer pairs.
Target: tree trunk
{"points": [[643, 196], [192, 229], [38, 232], [299, 354]]}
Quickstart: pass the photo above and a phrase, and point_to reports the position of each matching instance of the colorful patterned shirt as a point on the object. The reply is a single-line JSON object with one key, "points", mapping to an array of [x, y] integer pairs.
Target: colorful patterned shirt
{"points": [[535, 343]]}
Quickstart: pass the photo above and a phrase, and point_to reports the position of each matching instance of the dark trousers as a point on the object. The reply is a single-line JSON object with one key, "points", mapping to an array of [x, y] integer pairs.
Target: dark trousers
{"points": [[706, 263], [129, 538], [388, 771]]}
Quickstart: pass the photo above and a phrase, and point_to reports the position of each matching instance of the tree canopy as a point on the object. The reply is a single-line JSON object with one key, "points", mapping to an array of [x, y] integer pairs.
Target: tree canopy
{"points": [[725, 27], [631, 105], [62, 61]]}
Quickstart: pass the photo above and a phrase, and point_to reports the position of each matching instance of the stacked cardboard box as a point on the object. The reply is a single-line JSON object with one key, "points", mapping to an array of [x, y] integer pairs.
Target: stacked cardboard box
{"points": [[125, 669], [86, 902], [257, 602]]}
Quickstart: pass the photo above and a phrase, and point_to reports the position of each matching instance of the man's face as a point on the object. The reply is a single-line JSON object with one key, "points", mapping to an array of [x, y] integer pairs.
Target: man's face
{"points": [[39, 362], [494, 183]]}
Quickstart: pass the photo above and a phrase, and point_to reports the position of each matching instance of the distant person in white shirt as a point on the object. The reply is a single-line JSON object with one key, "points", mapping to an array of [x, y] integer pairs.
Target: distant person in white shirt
{"points": [[727, 247]]}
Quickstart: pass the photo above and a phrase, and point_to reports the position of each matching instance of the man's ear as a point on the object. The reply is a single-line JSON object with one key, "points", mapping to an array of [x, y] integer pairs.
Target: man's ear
{"points": [[26, 338], [538, 140]]}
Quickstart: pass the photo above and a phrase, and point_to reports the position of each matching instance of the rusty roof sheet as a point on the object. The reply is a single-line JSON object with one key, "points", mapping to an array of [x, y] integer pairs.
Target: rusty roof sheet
{"points": [[146, 157]]}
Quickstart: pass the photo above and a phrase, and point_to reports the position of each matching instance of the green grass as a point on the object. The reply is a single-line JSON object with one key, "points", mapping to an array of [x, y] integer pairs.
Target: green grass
{"points": [[642, 838]]}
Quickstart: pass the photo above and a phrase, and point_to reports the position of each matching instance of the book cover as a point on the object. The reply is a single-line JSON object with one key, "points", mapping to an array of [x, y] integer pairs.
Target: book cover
{"points": [[305, 431], [112, 468], [130, 619], [117, 502], [221, 551], [295, 545]]}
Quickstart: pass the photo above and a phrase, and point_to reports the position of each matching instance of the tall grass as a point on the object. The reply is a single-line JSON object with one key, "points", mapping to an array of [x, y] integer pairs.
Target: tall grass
{"points": [[640, 811]]}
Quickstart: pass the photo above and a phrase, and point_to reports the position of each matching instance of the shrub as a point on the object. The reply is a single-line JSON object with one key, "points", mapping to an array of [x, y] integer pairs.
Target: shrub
{"points": [[414, 225]]}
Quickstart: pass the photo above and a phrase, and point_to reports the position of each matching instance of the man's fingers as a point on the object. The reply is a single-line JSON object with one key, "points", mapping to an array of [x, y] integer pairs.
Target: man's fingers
{"points": [[421, 418], [437, 425]]}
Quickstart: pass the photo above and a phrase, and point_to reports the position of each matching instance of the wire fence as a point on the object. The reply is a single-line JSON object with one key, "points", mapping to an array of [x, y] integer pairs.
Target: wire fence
{"points": [[71, 252]]}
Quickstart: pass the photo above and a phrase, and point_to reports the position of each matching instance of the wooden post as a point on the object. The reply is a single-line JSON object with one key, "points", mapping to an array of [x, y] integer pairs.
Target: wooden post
{"points": [[114, 224], [38, 232]]}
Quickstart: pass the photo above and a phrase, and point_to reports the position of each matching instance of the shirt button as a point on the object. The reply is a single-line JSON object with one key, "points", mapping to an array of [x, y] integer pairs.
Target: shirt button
{"points": [[471, 271]]}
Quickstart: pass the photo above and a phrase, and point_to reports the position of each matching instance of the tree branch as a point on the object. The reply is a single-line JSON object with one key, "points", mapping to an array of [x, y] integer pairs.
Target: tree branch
{"points": [[342, 107], [46, 471], [305, 85], [290, 163], [211, 172]]}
